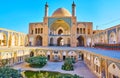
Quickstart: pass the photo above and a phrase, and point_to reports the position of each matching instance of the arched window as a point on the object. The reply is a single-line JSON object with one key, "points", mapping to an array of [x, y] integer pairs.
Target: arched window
{"points": [[60, 32], [60, 41], [31, 54], [77, 30], [112, 38], [41, 30]]}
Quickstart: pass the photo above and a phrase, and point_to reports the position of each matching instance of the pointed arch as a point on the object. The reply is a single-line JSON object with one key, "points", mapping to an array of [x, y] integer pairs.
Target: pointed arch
{"points": [[31, 54], [3, 39], [114, 70], [80, 40], [51, 41], [60, 32], [38, 40], [112, 38], [60, 41]]}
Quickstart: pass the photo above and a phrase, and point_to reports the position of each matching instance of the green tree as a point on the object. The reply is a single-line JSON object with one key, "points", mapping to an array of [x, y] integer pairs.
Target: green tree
{"points": [[68, 64], [38, 61], [6, 71]]}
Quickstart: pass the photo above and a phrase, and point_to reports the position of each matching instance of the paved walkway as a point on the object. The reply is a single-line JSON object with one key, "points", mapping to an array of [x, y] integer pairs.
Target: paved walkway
{"points": [[79, 68]]}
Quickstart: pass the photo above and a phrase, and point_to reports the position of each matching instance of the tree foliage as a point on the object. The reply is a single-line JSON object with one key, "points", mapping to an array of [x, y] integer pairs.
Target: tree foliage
{"points": [[48, 74], [68, 64], [7, 72], [38, 61]]}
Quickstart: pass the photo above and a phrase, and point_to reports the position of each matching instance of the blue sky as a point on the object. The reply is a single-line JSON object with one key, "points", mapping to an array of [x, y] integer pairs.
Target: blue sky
{"points": [[17, 14]]}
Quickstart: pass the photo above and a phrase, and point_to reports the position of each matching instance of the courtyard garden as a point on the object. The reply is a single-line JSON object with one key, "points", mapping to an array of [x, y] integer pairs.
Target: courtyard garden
{"points": [[48, 74], [37, 61]]}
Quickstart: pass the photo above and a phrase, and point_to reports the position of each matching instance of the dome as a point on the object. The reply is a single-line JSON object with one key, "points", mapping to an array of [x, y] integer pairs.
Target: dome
{"points": [[61, 12]]}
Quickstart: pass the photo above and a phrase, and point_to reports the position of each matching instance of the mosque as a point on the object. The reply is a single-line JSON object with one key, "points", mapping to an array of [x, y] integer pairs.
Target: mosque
{"points": [[60, 36]]}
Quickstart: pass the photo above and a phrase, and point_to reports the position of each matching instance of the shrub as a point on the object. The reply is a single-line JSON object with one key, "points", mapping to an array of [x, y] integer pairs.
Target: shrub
{"points": [[68, 64], [38, 61], [48, 74], [7, 72]]}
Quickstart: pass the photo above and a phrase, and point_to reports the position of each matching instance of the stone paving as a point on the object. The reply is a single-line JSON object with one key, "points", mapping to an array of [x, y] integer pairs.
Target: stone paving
{"points": [[79, 68]]}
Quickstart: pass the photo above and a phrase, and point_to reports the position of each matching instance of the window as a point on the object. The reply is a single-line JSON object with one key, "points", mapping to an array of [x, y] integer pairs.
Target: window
{"points": [[38, 30], [80, 30], [35, 30], [83, 30], [88, 31], [41, 30], [32, 32], [77, 30]]}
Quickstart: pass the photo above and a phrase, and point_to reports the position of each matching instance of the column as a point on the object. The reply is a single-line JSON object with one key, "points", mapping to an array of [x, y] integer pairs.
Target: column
{"points": [[77, 56], [15, 57], [51, 57], [61, 56], [100, 67], [106, 69]]}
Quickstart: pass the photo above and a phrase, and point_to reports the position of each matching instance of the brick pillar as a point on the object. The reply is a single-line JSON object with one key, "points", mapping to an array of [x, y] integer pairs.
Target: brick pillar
{"points": [[77, 56], [106, 69], [61, 56], [51, 56]]}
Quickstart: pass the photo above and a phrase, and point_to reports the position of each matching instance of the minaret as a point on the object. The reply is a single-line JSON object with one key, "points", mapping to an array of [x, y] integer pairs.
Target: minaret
{"points": [[73, 9], [46, 9]]}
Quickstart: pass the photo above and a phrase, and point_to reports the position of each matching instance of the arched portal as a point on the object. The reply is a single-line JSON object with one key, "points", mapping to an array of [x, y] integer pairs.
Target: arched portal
{"points": [[64, 55], [48, 55], [60, 42], [81, 56], [38, 41], [97, 64], [31, 54], [80, 41], [60, 32], [51, 42], [60, 27]]}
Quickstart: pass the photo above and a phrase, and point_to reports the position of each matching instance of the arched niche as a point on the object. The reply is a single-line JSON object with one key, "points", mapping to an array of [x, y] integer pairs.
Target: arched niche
{"points": [[112, 38], [114, 70]]}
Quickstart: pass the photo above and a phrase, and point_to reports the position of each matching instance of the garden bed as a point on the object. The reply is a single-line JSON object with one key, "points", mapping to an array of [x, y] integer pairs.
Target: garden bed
{"points": [[48, 74]]}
